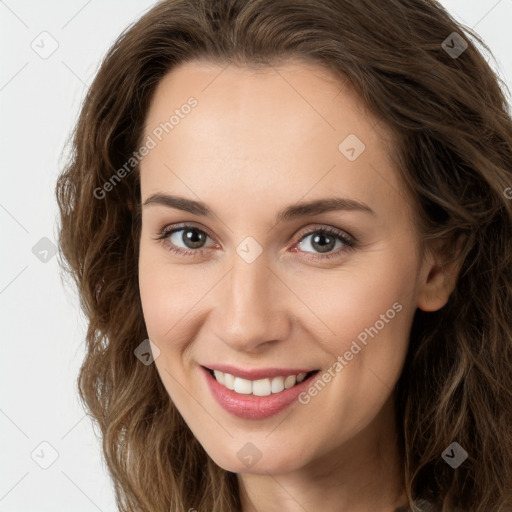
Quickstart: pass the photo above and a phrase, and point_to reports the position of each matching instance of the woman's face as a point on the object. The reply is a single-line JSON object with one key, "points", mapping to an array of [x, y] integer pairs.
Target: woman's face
{"points": [[257, 290]]}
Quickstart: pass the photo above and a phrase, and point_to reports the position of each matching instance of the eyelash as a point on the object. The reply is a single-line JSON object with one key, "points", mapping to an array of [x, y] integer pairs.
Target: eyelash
{"points": [[349, 242]]}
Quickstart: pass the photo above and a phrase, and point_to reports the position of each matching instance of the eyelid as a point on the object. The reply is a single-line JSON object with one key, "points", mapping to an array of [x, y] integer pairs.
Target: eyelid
{"points": [[182, 225], [306, 231], [326, 228]]}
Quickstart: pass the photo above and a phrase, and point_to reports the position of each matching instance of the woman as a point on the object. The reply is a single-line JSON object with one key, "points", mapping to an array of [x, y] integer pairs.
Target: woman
{"points": [[305, 206]]}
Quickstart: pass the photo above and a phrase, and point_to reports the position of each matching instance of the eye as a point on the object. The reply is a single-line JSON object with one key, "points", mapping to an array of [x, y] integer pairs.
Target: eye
{"points": [[188, 240], [192, 238], [324, 241]]}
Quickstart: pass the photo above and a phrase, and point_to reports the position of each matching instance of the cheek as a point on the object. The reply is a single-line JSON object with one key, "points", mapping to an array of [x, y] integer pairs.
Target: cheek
{"points": [[170, 296], [151, 294], [366, 316], [164, 310], [342, 304], [161, 292], [160, 295]]}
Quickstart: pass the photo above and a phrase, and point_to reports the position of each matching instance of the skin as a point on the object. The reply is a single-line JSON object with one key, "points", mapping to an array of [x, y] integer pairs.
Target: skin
{"points": [[256, 142]]}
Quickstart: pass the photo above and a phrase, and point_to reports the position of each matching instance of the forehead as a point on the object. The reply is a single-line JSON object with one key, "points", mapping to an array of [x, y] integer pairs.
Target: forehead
{"points": [[295, 127], [288, 97]]}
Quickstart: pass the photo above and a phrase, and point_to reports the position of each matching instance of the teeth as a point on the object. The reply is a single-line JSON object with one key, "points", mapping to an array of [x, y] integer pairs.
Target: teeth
{"points": [[290, 381], [262, 387], [229, 381], [277, 384], [219, 376], [243, 386]]}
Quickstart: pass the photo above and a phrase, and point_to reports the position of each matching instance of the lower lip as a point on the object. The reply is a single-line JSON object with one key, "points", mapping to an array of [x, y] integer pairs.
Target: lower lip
{"points": [[253, 407]]}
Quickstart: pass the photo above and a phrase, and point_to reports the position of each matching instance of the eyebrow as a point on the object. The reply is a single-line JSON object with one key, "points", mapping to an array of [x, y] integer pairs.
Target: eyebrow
{"points": [[294, 211]]}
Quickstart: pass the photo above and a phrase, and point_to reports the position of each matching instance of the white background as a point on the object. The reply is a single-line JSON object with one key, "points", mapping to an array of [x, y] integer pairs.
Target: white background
{"points": [[42, 329]]}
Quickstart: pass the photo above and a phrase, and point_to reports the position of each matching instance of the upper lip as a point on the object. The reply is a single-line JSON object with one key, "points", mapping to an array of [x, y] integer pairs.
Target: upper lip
{"points": [[257, 373]]}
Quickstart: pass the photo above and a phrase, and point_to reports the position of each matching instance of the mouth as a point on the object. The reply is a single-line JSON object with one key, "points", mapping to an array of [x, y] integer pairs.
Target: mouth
{"points": [[271, 385], [268, 393]]}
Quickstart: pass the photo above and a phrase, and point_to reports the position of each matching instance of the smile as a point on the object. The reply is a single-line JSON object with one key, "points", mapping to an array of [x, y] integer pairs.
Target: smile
{"points": [[260, 387], [266, 394]]}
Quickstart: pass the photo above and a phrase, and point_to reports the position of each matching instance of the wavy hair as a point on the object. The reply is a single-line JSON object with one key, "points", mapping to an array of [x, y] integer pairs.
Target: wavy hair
{"points": [[454, 153]]}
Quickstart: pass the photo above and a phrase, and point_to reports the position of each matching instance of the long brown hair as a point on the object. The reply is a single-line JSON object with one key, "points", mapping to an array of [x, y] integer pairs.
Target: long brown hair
{"points": [[454, 153]]}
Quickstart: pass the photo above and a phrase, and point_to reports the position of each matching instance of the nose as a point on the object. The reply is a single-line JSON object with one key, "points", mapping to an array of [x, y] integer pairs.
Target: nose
{"points": [[251, 311]]}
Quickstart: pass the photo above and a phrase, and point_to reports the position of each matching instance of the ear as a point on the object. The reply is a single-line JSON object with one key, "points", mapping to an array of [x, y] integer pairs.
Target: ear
{"points": [[439, 274]]}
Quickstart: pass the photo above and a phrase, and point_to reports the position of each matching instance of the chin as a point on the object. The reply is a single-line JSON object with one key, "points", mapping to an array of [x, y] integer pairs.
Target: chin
{"points": [[250, 460]]}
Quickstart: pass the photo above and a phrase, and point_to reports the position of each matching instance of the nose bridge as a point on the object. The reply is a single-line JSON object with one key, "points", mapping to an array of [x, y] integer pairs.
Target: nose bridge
{"points": [[248, 311]]}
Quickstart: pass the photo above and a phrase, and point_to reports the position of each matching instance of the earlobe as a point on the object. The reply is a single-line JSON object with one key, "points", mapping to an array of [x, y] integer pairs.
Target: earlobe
{"points": [[441, 277]]}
